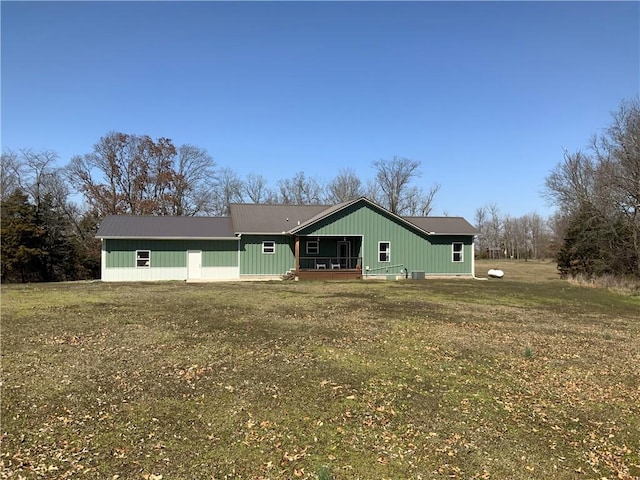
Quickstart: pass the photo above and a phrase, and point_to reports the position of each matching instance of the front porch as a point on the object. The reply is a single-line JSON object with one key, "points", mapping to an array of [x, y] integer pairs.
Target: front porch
{"points": [[330, 268], [328, 258]]}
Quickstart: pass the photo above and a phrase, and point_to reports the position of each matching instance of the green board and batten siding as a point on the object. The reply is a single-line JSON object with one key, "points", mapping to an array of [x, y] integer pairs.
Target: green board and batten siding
{"points": [[439, 257], [254, 262], [363, 223], [120, 253], [411, 248]]}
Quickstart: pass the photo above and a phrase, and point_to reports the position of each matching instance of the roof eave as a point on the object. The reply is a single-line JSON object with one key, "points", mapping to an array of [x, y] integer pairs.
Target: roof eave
{"points": [[133, 237], [283, 232], [458, 234]]}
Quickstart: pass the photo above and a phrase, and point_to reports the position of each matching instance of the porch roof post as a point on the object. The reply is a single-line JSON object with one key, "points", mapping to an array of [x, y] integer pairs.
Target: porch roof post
{"points": [[297, 253]]}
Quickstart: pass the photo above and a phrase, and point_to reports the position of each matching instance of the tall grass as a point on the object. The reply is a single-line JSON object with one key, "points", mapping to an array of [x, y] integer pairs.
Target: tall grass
{"points": [[624, 285]]}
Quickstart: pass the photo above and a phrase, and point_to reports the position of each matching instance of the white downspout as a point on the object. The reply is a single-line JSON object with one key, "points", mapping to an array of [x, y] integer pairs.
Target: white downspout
{"points": [[103, 260], [473, 260], [239, 266]]}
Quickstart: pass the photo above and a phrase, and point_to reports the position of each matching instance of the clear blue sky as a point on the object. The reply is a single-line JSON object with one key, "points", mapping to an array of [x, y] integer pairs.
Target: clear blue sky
{"points": [[484, 95]]}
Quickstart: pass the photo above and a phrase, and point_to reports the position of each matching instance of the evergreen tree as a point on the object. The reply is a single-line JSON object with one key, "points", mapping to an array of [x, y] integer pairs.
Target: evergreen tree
{"points": [[61, 259], [595, 245], [23, 256]]}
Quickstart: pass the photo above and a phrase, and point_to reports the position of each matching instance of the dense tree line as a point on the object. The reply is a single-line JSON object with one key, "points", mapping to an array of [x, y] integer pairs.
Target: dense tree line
{"points": [[46, 236], [138, 175], [597, 191]]}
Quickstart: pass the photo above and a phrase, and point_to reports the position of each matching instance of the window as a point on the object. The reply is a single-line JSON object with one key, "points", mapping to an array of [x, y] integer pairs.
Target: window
{"points": [[313, 247], [143, 258], [384, 251], [457, 252], [269, 247]]}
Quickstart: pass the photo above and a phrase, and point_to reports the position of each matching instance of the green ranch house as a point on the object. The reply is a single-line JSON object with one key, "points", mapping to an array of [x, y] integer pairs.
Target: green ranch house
{"points": [[351, 240]]}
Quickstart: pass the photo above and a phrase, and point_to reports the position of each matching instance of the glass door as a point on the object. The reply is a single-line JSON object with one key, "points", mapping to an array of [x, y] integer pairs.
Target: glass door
{"points": [[344, 254]]}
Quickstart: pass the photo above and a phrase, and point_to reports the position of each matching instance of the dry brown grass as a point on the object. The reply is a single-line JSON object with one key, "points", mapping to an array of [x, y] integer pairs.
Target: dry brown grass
{"points": [[529, 271], [528, 377], [621, 285]]}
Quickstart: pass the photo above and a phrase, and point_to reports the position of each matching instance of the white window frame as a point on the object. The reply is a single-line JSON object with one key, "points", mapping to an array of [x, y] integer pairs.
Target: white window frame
{"points": [[147, 260], [313, 247], [269, 247], [386, 251], [460, 252]]}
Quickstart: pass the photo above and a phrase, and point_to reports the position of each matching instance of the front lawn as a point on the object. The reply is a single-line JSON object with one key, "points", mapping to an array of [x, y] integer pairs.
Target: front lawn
{"points": [[528, 377]]}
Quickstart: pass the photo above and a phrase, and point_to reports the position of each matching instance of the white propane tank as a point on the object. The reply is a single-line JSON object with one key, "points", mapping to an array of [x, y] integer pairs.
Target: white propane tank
{"points": [[494, 273]]}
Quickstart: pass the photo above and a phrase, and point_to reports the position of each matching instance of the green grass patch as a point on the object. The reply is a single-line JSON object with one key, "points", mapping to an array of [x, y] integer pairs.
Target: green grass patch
{"points": [[525, 377]]}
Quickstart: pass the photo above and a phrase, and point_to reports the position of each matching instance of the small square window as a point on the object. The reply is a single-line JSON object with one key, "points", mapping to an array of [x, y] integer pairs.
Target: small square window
{"points": [[384, 251], [143, 258], [457, 250], [269, 247], [313, 247]]}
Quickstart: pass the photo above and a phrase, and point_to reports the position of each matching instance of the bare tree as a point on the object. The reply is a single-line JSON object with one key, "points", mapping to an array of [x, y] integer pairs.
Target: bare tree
{"points": [[510, 238], [37, 174], [493, 231], [115, 177], [135, 174], [227, 190], [480, 221], [344, 187], [193, 181], [257, 191], [300, 190], [573, 183], [373, 191], [428, 200], [10, 167], [538, 235], [617, 154], [394, 178]]}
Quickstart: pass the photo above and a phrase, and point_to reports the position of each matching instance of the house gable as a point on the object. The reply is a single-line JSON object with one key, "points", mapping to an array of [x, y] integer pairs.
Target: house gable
{"points": [[409, 247], [348, 208]]}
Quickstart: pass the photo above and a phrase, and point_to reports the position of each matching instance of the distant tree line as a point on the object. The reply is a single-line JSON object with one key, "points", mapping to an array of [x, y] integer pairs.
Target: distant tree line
{"points": [[46, 236], [522, 238]]}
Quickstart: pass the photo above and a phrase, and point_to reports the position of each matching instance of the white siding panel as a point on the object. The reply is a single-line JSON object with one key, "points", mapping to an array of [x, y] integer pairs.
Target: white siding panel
{"points": [[220, 273], [143, 274], [158, 274]]}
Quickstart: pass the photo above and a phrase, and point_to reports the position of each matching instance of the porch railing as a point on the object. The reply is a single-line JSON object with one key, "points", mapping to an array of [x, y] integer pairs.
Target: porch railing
{"points": [[388, 269], [319, 263]]}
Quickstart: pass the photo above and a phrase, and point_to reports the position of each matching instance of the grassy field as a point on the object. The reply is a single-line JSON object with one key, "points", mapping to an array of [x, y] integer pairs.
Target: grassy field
{"points": [[528, 377]]}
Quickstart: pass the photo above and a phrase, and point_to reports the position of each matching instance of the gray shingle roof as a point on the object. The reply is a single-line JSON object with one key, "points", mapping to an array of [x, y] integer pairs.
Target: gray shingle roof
{"points": [[256, 219], [251, 218], [131, 226], [443, 225]]}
